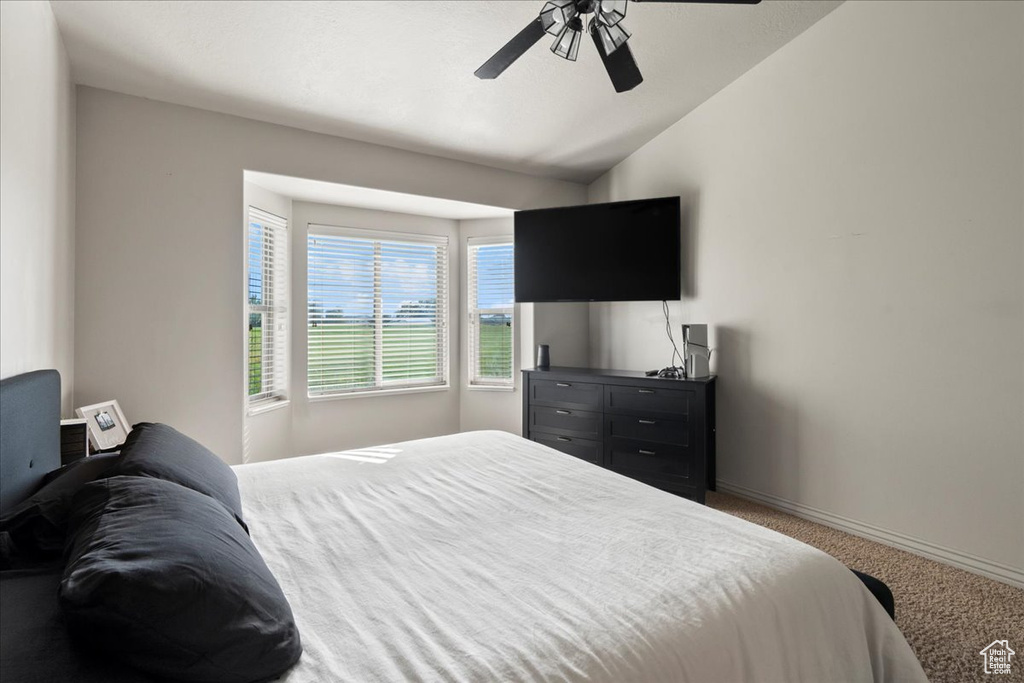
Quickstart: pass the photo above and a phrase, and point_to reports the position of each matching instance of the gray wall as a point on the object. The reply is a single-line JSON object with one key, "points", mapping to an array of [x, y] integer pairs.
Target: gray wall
{"points": [[854, 232], [37, 186], [159, 245]]}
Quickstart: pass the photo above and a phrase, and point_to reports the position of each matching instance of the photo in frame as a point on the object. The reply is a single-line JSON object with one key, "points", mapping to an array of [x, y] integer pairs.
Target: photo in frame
{"points": [[108, 427]]}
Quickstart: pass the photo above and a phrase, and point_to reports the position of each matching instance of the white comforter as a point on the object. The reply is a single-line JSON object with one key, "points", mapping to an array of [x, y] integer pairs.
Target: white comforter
{"points": [[486, 557]]}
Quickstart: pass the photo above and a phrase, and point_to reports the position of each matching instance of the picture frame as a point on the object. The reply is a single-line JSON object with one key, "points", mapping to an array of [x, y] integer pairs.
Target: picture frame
{"points": [[108, 427]]}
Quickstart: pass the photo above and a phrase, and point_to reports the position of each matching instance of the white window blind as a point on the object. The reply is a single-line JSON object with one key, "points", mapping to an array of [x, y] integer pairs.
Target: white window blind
{"points": [[377, 315], [267, 278], [491, 311]]}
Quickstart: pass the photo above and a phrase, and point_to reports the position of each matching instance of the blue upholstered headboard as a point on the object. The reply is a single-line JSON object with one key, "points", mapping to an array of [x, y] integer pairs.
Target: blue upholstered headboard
{"points": [[29, 433]]}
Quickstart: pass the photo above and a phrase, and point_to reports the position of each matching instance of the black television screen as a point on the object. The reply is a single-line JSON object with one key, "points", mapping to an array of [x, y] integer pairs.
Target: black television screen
{"points": [[623, 251]]}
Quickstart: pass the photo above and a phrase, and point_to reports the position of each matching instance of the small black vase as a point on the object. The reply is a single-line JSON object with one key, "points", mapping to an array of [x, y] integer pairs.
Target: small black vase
{"points": [[543, 357]]}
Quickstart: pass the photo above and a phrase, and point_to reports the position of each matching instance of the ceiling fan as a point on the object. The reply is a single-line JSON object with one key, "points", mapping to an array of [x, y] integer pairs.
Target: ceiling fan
{"points": [[563, 19]]}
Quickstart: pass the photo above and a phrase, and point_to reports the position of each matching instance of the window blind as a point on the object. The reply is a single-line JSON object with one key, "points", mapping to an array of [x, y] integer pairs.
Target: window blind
{"points": [[491, 311], [377, 313], [267, 277]]}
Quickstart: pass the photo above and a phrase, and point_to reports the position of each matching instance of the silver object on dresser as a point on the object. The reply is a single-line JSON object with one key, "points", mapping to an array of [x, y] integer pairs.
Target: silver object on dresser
{"points": [[696, 354]]}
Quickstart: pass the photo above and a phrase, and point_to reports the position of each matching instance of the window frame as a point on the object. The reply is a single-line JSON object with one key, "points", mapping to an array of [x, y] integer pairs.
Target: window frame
{"points": [[381, 386], [274, 335], [473, 312]]}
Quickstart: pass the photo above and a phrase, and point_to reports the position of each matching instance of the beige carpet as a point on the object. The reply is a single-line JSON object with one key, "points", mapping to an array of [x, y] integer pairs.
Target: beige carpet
{"points": [[948, 615]]}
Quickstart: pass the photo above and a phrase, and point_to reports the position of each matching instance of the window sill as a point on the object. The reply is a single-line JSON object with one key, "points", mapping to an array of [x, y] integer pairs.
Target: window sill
{"points": [[268, 406], [487, 387], [379, 392]]}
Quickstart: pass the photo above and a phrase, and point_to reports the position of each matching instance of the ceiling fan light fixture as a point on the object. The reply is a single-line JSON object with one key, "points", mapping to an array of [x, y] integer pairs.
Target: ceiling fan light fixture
{"points": [[565, 19], [567, 45], [611, 12], [611, 37], [556, 15]]}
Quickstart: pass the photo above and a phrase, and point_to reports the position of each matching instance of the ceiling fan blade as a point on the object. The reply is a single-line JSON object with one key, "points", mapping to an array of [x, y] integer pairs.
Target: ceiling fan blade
{"points": [[513, 50], [620, 65]]}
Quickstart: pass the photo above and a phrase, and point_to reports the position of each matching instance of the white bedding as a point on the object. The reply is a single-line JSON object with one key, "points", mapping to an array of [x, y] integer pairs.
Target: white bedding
{"points": [[486, 557]]}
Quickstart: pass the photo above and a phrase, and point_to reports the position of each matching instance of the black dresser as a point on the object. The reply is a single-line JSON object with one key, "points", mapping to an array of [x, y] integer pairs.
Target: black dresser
{"points": [[659, 431]]}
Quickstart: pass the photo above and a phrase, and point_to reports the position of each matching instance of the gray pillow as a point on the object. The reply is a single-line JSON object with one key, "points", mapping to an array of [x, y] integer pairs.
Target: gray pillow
{"points": [[34, 531], [162, 452], [164, 579]]}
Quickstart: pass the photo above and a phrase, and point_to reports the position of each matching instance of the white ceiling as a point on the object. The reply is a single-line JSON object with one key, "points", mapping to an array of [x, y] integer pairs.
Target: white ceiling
{"points": [[370, 198], [401, 73]]}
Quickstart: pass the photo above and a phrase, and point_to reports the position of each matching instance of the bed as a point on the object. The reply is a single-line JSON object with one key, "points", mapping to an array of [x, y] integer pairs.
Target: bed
{"points": [[483, 556]]}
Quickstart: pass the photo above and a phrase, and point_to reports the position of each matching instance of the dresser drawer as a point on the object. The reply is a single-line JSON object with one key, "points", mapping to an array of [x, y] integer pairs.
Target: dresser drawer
{"points": [[649, 428], [646, 459], [584, 449], [566, 422], [566, 394], [640, 400]]}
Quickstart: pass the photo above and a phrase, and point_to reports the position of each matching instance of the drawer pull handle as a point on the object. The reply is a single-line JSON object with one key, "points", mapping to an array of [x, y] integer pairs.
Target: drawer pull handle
{"points": [[563, 438], [562, 384], [648, 422], [564, 412], [646, 391], [643, 452]]}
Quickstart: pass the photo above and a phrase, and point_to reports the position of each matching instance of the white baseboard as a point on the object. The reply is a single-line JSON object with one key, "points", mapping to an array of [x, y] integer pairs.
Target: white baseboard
{"points": [[957, 558]]}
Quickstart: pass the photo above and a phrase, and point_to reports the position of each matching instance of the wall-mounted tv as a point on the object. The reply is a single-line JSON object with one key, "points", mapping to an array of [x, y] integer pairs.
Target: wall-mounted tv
{"points": [[622, 251]]}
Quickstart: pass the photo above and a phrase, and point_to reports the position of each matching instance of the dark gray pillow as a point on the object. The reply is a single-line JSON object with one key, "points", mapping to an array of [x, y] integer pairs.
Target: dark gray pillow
{"points": [[162, 452], [36, 528], [163, 578]]}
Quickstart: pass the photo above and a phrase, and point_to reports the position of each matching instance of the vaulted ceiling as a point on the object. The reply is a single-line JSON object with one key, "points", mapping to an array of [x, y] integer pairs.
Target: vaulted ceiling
{"points": [[401, 73]]}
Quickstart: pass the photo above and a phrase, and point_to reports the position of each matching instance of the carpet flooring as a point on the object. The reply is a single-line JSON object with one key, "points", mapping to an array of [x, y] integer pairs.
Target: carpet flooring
{"points": [[947, 615]]}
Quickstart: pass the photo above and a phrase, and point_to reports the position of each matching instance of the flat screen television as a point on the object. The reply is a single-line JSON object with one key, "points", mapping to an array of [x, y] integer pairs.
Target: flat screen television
{"points": [[622, 251]]}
